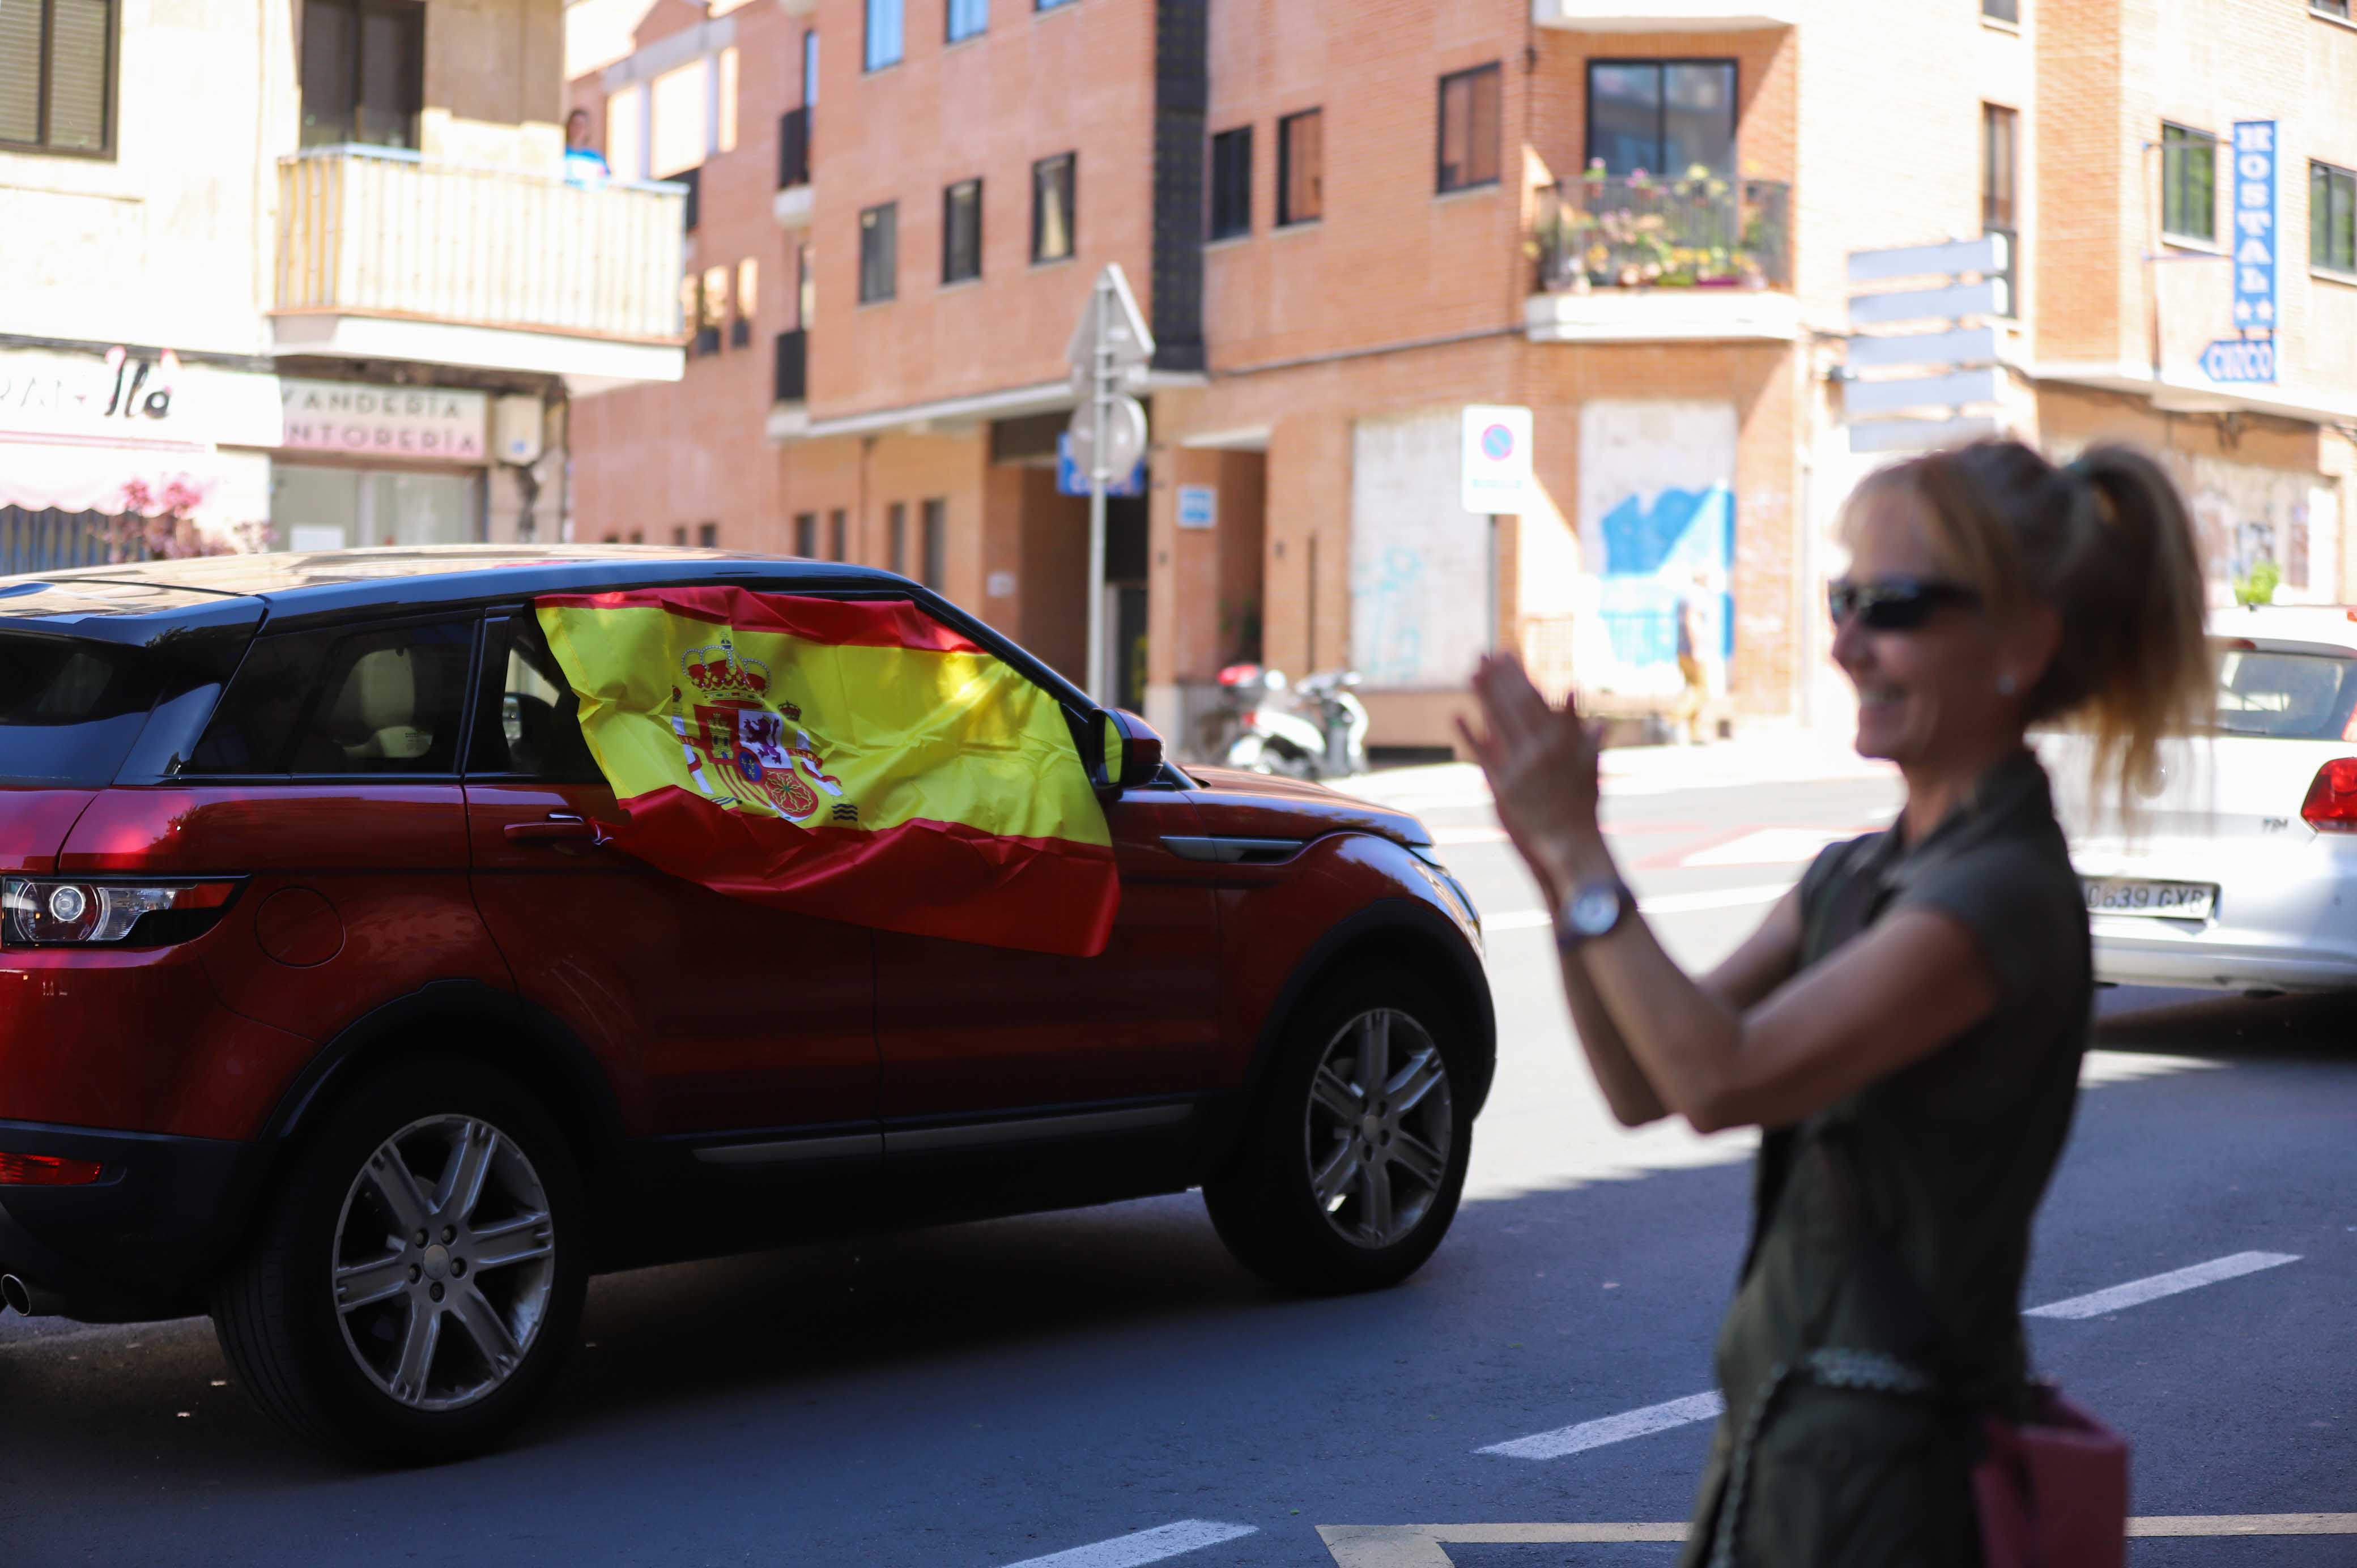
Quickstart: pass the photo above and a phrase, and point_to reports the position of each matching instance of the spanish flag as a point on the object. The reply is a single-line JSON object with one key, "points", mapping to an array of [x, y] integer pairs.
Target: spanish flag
{"points": [[854, 759]]}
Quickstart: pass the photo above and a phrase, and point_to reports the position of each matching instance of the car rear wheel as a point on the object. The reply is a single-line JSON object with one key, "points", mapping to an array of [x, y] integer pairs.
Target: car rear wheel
{"points": [[418, 1276], [1355, 1157]]}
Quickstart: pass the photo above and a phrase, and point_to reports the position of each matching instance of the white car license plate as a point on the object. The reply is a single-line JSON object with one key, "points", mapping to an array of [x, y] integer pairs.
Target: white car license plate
{"points": [[2135, 895]]}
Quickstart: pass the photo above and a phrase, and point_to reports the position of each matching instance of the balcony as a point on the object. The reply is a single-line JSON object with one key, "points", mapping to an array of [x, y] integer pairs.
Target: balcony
{"points": [[385, 255], [792, 204], [789, 386], [1665, 15], [1639, 258]]}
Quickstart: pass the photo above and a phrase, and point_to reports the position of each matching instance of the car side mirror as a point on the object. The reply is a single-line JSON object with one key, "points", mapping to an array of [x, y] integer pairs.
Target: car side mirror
{"points": [[1128, 754]]}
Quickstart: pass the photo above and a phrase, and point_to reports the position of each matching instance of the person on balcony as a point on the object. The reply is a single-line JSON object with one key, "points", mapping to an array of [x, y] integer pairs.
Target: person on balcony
{"points": [[584, 164]]}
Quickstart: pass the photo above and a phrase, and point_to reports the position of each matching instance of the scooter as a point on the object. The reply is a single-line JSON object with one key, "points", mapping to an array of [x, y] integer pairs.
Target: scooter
{"points": [[1275, 738]]}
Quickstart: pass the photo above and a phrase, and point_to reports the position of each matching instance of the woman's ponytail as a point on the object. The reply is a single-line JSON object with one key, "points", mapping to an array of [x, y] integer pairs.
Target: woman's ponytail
{"points": [[2134, 666]]}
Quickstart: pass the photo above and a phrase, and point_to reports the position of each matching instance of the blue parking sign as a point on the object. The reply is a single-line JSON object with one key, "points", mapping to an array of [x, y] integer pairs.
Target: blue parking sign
{"points": [[1070, 480]]}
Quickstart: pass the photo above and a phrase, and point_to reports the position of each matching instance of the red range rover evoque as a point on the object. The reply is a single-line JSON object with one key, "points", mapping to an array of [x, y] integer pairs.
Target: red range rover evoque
{"points": [[325, 1007]]}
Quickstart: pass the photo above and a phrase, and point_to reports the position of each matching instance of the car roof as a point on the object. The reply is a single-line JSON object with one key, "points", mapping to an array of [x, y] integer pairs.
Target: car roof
{"points": [[2330, 626]]}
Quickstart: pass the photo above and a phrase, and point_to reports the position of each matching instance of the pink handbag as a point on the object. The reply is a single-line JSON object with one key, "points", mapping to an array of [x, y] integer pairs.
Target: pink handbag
{"points": [[2052, 1491]]}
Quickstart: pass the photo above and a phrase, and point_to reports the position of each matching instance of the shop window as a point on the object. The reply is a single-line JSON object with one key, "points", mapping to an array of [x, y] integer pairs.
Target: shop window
{"points": [[1054, 201], [1661, 117], [57, 75], [961, 231], [1232, 183], [806, 535], [1301, 167], [895, 535], [2332, 218], [837, 536], [935, 545], [967, 18], [1468, 128], [362, 72], [2189, 183], [885, 29], [879, 253]]}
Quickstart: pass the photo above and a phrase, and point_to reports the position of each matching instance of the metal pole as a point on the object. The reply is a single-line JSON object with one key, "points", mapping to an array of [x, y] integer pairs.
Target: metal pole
{"points": [[1100, 414]]}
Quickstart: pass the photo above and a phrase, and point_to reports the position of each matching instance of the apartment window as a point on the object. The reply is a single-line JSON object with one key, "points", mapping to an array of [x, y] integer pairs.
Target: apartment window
{"points": [[932, 562], [884, 34], [1661, 117], [626, 132], [961, 231], [57, 75], [2332, 218], [2001, 10], [1232, 183], [715, 310], [967, 18], [1998, 167], [2330, 7], [707, 535], [806, 535], [749, 301], [2189, 183], [363, 72], [1048, 5], [837, 536], [1300, 167], [805, 286], [895, 532], [679, 534], [1053, 206], [1468, 128], [879, 253]]}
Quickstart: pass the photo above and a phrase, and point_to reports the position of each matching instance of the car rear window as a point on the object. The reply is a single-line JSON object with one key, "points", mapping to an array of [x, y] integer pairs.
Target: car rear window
{"points": [[376, 700], [70, 710], [2288, 696]]}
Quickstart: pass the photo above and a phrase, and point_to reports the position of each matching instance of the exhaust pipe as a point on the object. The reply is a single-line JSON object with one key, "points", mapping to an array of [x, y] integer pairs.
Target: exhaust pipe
{"points": [[29, 1300]]}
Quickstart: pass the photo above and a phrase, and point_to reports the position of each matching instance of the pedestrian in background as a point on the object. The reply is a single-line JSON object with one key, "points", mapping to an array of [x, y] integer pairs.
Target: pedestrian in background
{"points": [[1694, 692], [1907, 1025]]}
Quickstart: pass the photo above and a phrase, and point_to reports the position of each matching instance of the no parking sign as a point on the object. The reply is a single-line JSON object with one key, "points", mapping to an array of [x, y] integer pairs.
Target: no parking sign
{"points": [[1495, 472]]}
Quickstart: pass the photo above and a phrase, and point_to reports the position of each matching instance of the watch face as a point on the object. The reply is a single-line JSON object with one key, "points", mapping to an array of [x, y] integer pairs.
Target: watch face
{"points": [[1594, 910]]}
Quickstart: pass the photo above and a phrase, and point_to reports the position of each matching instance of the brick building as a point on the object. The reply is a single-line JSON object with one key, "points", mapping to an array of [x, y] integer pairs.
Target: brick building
{"points": [[1345, 223]]}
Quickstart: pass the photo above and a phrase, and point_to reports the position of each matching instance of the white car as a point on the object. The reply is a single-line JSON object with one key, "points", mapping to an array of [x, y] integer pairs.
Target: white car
{"points": [[2240, 874]]}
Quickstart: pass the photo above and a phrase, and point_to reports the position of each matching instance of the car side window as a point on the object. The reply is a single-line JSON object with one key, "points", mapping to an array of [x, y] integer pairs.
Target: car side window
{"points": [[347, 700], [528, 722]]}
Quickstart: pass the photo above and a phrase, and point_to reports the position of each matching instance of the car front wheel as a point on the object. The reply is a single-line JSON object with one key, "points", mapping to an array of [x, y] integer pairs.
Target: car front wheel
{"points": [[419, 1274], [1355, 1156]]}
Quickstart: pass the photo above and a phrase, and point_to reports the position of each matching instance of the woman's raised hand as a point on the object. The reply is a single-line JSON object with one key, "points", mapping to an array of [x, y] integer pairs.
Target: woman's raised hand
{"points": [[1541, 762]]}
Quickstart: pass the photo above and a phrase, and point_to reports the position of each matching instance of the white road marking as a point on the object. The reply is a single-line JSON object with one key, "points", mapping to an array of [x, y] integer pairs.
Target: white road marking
{"points": [[1652, 1418], [1769, 847], [1146, 1546], [1662, 903], [1612, 1428], [2137, 1292], [1427, 1545]]}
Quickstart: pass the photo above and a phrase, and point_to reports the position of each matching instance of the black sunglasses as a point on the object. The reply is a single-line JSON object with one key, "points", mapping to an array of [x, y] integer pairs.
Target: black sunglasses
{"points": [[1894, 603]]}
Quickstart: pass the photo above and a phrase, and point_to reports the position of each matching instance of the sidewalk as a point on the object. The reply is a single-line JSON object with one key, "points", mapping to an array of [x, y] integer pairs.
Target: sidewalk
{"points": [[1778, 755]]}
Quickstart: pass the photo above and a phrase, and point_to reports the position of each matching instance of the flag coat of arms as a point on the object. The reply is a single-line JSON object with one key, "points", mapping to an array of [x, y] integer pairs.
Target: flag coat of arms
{"points": [[855, 759]]}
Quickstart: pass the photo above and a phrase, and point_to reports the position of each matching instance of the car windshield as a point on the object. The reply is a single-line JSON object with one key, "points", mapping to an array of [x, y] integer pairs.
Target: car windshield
{"points": [[68, 709], [2287, 697]]}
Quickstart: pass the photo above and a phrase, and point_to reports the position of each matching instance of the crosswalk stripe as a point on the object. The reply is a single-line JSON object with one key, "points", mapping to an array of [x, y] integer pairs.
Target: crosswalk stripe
{"points": [[1145, 1546]]}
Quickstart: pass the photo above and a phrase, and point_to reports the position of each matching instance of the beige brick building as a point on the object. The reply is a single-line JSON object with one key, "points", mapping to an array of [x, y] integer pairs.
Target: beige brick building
{"points": [[1348, 221]]}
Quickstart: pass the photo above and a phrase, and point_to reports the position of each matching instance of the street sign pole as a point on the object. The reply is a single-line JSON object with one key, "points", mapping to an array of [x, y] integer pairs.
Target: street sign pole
{"points": [[1100, 417], [1111, 348]]}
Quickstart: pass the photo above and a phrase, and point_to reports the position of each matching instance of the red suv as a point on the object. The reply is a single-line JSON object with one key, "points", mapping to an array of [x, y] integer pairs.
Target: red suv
{"points": [[327, 1006]]}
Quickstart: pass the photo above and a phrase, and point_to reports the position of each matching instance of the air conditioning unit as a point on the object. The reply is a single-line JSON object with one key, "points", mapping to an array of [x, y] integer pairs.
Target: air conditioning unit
{"points": [[516, 429]]}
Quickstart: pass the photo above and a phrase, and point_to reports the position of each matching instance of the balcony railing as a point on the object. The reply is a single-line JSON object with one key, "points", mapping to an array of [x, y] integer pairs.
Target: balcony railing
{"points": [[1643, 231], [793, 375], [794, 148], [378, 231]]}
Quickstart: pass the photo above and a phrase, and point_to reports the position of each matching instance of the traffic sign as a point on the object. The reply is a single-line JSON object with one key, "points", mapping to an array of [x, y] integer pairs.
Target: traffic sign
{"points": [[1129, 341], [1124, 436], [1494, 467], [2234, 360], [1072, 472]]}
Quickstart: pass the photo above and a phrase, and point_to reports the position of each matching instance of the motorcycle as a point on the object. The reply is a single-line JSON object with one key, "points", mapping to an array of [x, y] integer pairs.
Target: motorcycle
{"points": [[1276, 737]]}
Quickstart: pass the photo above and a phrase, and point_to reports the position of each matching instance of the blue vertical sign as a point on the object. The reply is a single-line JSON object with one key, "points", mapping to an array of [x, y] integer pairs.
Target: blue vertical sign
{"points": [[2255, 226]]}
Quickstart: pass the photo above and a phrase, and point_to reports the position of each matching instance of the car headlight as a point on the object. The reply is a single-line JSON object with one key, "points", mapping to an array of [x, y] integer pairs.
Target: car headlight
{"points": [[41, 911]]}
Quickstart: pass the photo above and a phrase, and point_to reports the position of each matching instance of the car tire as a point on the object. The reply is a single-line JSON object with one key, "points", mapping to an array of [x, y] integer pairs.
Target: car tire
{"points": [[431, 1343], [1297, 1203]]}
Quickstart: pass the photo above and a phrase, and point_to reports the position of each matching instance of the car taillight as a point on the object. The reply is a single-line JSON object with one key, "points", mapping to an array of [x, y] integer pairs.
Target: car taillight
{"points": [[42, 911], [46, 1170], [2331, 803]]}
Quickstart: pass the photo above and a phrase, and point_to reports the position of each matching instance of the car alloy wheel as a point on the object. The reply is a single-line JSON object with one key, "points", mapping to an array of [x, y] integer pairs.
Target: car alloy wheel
{"points": [[445, 1262], [1379, 1127]]}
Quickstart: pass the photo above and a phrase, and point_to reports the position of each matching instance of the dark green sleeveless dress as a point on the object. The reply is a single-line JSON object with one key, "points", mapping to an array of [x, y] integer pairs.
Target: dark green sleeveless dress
{"points": [[1948, 1159]]}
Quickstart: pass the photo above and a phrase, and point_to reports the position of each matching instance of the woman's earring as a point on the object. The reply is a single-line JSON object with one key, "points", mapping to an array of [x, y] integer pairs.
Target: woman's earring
{"points": [[2006, 685]]}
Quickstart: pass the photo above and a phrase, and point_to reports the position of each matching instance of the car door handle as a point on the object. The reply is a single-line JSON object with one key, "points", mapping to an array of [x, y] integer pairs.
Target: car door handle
{"points": [[558, 829], [1225, 851]]}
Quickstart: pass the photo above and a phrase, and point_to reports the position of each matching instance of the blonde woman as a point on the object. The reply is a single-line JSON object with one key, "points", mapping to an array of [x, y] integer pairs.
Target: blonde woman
{"points": [[1907, 1025]]}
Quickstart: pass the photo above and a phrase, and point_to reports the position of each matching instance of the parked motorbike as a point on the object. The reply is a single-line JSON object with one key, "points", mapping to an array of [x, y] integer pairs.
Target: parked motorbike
{"points": [[1321, 733]]}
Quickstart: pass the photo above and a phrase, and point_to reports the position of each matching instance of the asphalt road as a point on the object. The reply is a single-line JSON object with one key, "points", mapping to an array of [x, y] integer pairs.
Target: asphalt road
{"points": [[983, 1396]]}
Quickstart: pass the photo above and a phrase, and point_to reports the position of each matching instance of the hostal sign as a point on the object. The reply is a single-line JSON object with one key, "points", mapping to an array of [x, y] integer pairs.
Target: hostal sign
{"points": [[436, 424]]}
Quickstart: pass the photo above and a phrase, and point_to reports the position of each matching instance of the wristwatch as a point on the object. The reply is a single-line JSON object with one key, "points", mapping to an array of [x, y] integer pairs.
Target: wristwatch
{"points": [[1594, 910]]}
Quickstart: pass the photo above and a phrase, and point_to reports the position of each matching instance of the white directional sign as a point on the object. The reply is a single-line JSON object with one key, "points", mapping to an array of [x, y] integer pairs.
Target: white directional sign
{"points": [[1989, 253], [1925, 304], [1926, 350], [1919, 434], [1957, 389], [1494, 470], [1954, 363]]}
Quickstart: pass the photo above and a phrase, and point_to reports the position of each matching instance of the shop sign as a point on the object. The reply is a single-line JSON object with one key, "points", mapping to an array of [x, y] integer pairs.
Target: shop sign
{"points": [[2255, 225], [436, 423], [127, 397], [1199, 506], [2233, 360]]}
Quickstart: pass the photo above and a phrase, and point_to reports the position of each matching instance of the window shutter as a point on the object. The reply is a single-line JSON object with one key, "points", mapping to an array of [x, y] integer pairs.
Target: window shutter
{"points": [[20, 70], [78, 61]]}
